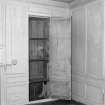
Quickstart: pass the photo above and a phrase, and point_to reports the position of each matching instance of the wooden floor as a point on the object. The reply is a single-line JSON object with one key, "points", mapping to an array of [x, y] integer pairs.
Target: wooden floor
{"points": [[60, 102]]}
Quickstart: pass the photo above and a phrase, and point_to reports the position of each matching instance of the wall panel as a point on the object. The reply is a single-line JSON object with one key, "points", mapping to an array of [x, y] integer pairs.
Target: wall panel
{"points": [[95, 36], [78, 88], [94, 94], [78, 41]]}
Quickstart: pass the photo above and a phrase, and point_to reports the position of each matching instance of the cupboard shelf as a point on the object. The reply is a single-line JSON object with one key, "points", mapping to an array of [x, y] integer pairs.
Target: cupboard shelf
{"points": [[31, 60], [39, 38], [36, 80]]}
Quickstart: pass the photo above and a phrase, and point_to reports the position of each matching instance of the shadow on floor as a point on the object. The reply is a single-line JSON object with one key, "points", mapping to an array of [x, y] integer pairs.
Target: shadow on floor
{"points": [[59, 102]]}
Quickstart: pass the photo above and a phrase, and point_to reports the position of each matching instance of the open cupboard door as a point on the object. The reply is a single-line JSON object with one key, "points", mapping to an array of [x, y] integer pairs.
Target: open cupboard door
{"points": [[60, 54]]}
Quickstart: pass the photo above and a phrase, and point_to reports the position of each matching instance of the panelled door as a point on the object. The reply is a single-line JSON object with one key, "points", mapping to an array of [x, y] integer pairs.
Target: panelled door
{"points": [[60, 53], [16, 67]]}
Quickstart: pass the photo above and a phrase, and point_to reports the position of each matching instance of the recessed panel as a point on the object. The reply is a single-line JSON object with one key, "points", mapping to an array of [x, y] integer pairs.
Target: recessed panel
{"points": [[94, 95], [95, 35], [78, 88], [59, 88], [17, 94], [78, 39]]}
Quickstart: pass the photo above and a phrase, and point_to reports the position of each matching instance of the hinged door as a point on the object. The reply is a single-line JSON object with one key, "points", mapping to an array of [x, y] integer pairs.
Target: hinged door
{"points": [[60, 53]]}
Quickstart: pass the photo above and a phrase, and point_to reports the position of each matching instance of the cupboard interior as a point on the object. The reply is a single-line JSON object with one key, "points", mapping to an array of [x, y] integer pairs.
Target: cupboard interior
{"points": [[38, 57]]}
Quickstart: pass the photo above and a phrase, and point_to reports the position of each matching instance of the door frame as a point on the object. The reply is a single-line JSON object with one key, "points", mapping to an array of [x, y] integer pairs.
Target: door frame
{"points": [[37, 15]]}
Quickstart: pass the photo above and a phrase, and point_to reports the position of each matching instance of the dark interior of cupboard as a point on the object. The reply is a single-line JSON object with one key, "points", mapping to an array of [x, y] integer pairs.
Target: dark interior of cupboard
{"points": [[38, 57]]}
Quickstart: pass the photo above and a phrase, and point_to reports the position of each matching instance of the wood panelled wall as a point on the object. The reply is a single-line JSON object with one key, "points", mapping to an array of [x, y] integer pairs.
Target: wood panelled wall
{"points": [[14, 15], [88, 80]]}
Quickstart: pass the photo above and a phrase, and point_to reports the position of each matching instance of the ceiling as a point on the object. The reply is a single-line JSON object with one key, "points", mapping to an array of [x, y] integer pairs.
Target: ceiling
{"points": [[67, 1], [75, 3], [71, 1]]}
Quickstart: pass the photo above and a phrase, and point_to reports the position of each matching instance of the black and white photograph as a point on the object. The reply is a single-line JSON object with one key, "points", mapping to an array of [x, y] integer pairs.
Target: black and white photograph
{"points": [[52, 52]]}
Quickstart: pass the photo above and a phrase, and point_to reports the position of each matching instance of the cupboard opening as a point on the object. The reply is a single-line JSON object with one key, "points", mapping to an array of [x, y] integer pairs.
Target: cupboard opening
{"points": [[38, 57]]}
